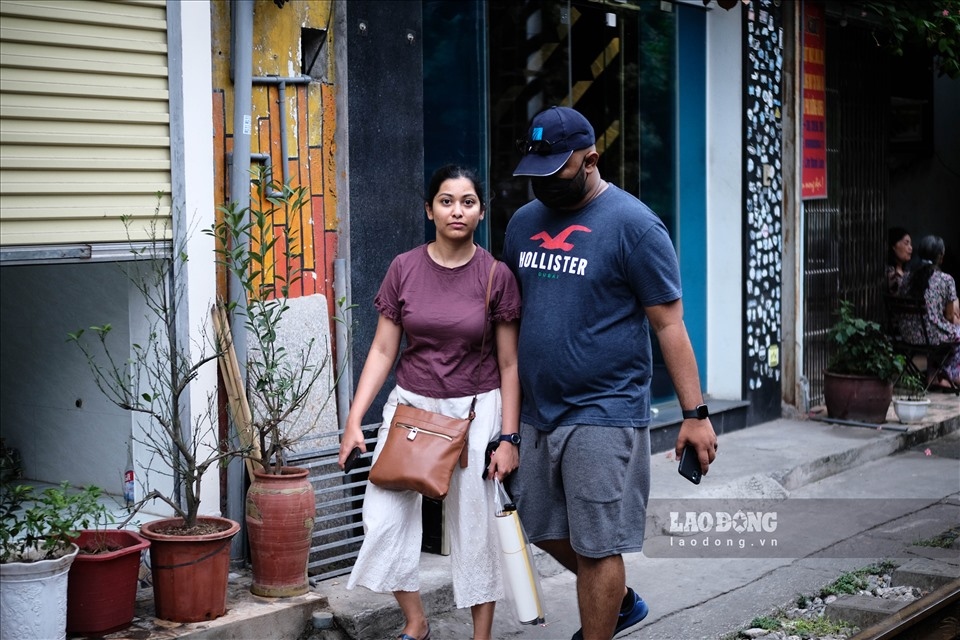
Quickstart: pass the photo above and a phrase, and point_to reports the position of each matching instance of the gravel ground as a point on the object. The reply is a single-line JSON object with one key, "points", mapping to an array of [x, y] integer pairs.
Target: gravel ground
{"points": [[807, 622]]}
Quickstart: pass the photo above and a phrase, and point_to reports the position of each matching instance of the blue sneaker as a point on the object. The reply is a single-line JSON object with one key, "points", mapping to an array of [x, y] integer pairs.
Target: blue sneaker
{"points": [[627, 619]]}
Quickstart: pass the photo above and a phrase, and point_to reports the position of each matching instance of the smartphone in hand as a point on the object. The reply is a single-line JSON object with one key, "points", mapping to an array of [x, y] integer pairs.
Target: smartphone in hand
{"points": [[690, 464], [487, 456], [351, 460]]}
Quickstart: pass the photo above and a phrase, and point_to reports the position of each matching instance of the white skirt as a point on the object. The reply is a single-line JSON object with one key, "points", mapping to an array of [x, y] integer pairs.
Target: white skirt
{"points": [[389, 558]]}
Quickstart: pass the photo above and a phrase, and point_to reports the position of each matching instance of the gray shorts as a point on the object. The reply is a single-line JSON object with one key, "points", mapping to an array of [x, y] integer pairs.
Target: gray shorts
{"points": [[588, 484]]}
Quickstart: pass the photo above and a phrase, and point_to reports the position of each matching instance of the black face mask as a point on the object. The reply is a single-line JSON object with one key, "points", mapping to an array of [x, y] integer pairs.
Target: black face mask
{"points": [[558, 193]]}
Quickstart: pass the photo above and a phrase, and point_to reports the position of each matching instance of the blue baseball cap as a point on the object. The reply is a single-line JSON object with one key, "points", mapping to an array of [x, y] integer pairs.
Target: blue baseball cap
{"points": [[553, 137]]}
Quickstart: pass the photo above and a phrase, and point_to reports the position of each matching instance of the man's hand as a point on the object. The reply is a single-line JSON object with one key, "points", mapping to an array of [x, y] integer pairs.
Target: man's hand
{"points": [[503, 461], [698, 433]]}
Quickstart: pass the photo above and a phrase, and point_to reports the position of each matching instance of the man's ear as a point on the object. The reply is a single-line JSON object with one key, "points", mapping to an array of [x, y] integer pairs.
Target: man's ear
{"points": [[592, 158]]}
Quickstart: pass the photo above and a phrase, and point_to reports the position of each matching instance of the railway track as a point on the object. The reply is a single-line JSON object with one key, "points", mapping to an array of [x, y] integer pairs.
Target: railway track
{"points": [[935, 616]]}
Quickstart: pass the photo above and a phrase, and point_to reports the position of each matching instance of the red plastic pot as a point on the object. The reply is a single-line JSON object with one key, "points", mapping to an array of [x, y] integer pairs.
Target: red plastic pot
{"points": [[102, 587], [190, 572], [279, 514]]}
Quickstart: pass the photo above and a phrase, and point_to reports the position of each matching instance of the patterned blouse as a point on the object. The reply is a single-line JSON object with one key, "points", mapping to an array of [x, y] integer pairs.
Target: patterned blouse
{"points": [[940, 290], [894, 279]]}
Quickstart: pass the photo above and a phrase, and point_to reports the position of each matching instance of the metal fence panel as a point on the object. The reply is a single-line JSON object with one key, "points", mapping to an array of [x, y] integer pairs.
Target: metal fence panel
{"points": [[844, 240]]}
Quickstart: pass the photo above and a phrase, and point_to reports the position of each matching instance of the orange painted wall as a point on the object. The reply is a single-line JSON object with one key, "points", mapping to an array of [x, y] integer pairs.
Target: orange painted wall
{"points": [[311, 117]]}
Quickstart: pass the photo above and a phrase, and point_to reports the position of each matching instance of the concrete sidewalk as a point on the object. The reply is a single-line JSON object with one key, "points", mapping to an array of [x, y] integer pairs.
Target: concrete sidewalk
{"points": [[844, 496], [843, 500]]}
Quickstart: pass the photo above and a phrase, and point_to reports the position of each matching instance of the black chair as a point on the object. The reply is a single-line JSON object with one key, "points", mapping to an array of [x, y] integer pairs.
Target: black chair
{"points": [[902, 310]]}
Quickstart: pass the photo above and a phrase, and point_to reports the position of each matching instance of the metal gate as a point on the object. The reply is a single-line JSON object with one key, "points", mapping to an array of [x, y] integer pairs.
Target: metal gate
{"points": [[844, 239], [337, 527]]}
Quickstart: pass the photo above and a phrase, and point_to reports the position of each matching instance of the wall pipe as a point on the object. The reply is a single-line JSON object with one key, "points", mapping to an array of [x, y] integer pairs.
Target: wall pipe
{"points": [[344, 371], [282, 83], [267, 163], [241, 57]]}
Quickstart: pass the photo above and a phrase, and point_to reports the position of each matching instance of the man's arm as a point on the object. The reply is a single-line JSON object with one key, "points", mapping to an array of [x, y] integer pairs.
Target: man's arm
{"points": [[666, 320]]}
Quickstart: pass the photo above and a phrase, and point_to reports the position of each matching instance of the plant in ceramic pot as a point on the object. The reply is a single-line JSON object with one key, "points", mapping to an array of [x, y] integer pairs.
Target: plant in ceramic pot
{"points": [[282, 371], [36, 551], [190, 553], [910, 400], [858, 381]]}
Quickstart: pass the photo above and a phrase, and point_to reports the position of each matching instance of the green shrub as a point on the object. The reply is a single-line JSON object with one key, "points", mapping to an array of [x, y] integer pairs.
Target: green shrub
{"points": [[41, 526], [860, 347]]}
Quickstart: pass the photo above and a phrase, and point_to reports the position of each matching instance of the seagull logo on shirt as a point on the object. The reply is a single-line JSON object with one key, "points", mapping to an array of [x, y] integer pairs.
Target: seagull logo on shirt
{"points": [[560, 241]]}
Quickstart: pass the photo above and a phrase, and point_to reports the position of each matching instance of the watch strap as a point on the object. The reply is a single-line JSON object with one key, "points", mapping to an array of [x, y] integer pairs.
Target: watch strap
{"points": [[700, 412]]}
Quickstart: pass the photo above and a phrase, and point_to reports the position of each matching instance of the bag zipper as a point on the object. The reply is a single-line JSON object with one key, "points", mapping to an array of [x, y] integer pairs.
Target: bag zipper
{"points": [[415, 430]]}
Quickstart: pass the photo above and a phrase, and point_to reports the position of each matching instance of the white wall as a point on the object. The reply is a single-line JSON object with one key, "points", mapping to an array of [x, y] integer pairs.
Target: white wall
{"points": [[50, 408], [191, 142], [724, 204]]}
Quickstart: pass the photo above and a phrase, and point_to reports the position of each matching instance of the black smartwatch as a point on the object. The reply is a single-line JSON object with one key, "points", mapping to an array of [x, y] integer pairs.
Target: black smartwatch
{"points": [[700, 413], [512, 438]]}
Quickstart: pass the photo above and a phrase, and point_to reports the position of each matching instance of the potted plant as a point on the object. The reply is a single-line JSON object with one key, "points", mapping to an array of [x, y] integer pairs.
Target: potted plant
{"points": [[910, 400], [102, 584], [36, 550], [266, 405], [858, 381], [189, 552]]}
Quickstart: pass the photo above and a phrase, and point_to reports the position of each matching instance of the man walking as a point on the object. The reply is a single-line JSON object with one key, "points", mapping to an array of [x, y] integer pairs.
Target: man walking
{"points": [[597, 270]]}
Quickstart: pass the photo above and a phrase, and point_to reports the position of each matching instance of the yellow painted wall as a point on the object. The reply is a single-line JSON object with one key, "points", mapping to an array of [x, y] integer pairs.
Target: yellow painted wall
{"points": [[310, 122]]}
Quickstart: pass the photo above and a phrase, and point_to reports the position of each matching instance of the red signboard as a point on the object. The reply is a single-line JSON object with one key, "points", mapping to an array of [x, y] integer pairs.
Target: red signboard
{"points": [[814, 173]]}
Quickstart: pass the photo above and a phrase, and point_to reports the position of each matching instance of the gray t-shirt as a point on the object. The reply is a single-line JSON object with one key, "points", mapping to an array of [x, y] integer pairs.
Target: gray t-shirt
{"points": [[441, 312], [585, 354]]}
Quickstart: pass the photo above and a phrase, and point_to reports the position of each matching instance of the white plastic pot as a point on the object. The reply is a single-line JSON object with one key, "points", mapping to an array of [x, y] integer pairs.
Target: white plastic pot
{"points": [[911, 411], [33, 598]]}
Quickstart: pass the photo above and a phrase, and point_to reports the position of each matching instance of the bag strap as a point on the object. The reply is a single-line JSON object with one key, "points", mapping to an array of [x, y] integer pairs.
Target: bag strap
{"points": [[483, 341]]}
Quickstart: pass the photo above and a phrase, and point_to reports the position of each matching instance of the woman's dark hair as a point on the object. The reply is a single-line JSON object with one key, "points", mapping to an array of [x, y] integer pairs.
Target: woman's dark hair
{"points": [[894, 235], [452, 172], [929, 250]]}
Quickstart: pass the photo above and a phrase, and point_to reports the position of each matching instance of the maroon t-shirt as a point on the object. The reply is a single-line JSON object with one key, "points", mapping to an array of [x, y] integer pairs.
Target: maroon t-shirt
{"points": [[442, 315]]}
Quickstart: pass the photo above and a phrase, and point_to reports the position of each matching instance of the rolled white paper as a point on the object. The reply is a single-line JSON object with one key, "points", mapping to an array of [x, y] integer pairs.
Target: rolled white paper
{"points": [[518, 569]]}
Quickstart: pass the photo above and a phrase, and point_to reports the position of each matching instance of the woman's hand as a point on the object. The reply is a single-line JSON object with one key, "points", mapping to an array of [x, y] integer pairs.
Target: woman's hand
{"points": [[351, 438], [503, 461]]}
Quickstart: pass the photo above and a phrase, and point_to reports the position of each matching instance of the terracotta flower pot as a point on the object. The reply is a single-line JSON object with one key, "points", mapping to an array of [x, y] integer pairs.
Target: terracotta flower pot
{"points": [[859, 398], [190, 572], [279, 514], [102, 587]]}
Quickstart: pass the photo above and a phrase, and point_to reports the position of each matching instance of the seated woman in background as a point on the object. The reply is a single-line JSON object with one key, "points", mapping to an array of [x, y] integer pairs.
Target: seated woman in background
{"points": [[899, 251], [938, 290]]}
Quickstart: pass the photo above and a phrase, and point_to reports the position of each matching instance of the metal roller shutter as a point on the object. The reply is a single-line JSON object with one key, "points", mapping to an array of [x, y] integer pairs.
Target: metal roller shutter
{"points": [[84, 120]]}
